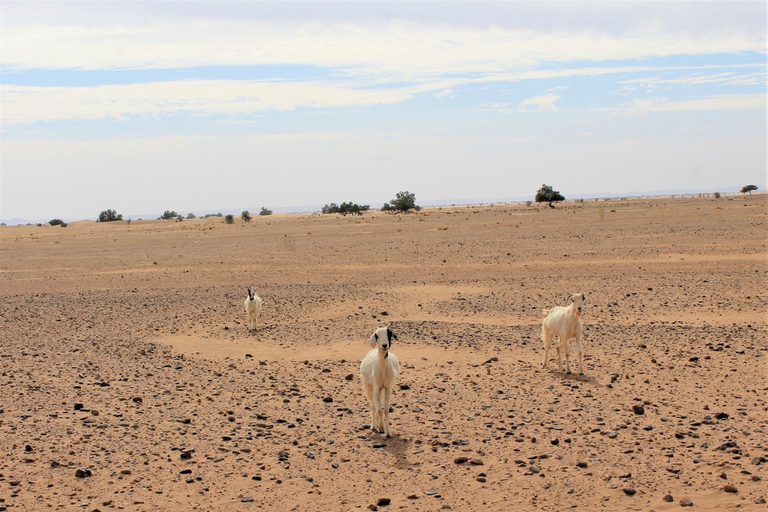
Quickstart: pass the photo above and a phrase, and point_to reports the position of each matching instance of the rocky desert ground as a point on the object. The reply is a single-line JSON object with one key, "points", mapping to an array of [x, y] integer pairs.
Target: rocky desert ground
{"points": [[129, 379]]}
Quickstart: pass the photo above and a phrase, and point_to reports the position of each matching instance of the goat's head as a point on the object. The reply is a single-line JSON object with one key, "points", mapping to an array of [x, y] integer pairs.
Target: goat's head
{"points": [[251, 292], [578, 301], [382, 338]]}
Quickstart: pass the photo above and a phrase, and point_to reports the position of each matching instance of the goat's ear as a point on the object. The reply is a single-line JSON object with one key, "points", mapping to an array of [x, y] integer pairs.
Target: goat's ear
{"points": [[583, 297], [374, 339], [571, 297]]}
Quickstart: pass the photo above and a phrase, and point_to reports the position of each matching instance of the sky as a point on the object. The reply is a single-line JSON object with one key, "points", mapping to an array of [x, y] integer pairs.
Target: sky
{"points": [[193, 106]]}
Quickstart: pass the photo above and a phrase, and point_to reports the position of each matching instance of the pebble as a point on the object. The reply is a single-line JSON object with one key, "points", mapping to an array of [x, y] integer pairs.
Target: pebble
{"points": [[460, 460], [629, 491], [82, 472], [730, 488], [581, 464], [668, 498], [476, 462], [686, 502], [380, 445], [638, 409], [328, 399], [383, 502]]}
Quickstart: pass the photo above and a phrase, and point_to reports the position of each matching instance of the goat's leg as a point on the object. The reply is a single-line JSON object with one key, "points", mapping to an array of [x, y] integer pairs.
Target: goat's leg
{"points": [[376, 408], [387, 401], [564, 346], [580, 353], [546, 335]]}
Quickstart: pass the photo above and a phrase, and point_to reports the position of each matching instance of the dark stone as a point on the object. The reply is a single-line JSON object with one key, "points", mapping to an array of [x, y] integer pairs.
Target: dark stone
{"points": [[722, 416], [668, 498], [629, 491], [581, 464], [638, 409], [383, 502], [686, 502], [82, 472], [460, 460], [328, 399], [730, 488]]}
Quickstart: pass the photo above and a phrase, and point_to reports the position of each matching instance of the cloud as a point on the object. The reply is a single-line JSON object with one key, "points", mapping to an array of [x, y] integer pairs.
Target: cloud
{"points": [[389, 49], [710, 103], [24, 104], [545, 103]]}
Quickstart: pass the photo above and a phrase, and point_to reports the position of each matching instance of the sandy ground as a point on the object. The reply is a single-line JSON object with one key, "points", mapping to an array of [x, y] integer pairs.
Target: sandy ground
{"points": [[129, 380]]}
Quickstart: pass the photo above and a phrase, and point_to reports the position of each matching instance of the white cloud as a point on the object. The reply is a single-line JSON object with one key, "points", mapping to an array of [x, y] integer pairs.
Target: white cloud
{"points": [[392, 50], [710, 103], [545, 103], [25, 104]]}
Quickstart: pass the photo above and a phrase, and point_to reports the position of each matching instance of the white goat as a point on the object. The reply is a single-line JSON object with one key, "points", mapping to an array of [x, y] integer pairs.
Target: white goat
{"points": [[252, 307], [565, 323], [378, 372]]}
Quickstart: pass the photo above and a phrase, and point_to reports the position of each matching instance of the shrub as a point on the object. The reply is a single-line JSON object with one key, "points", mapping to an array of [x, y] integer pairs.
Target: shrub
{"points": [[191, 216], [168, 215], [345, 208], [748, 188], [246, 216], [265, 211], [547, 195], [55, 222], [402, 202], [229, 219], [109, 216], [717, 195]]}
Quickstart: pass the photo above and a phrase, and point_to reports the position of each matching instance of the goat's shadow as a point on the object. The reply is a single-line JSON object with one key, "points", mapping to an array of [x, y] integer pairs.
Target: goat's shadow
{"points": [[398, 448], [586, 379]]}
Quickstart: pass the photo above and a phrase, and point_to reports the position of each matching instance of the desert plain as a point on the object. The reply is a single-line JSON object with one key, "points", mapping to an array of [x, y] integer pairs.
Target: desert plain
{"points": [[129, 379]]}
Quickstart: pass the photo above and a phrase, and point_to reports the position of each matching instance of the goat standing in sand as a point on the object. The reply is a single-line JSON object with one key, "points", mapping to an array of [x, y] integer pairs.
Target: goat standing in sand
{"points": [[565, 323], [252, 307], [378, 372]]}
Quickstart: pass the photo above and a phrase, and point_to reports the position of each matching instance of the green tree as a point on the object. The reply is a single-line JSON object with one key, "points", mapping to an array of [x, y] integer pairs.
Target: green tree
{"points": [[229, 219], [246, 216], [168, 215], [109, 216], [56, 222], [546, 195], [331, 208], [402, 202], [265, 211], [748, 188]]}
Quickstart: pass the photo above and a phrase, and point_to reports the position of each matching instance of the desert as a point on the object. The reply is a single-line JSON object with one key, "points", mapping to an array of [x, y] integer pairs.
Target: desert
{"points": [[129, 379]]}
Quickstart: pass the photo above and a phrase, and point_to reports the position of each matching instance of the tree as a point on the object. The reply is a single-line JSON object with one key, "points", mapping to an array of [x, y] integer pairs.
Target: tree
{"points": [[265, 211], [56, 222], [402, 202], [169, 214], [546, 195], [246, 216], [748, 188], [109, 216], [229, 219]]}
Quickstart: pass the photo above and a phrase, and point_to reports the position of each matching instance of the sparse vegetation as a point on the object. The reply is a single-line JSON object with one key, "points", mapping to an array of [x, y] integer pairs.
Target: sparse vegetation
{"points": [[547, 195], [109, 216], [168, 215], [345, 208], [748, 188], [265, 211], [191, 216], [56, 222], [717, 195], [403, 202], [229, 219], [246, 216]]}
